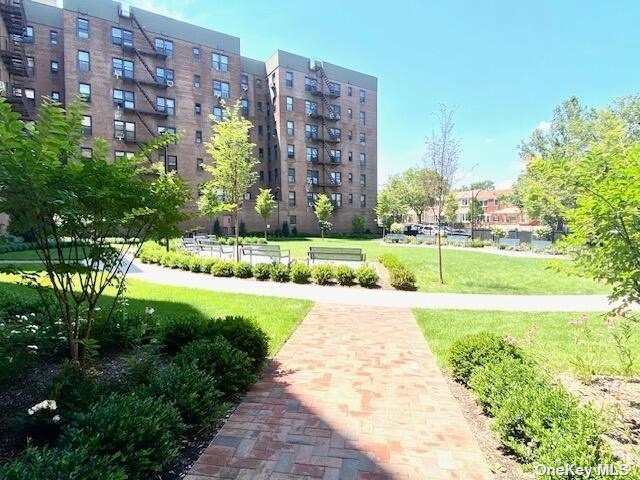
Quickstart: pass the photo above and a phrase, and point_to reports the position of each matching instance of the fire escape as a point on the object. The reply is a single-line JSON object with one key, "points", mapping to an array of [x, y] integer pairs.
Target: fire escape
{"points": [[143, 84], [15, 59], [327, 137]]}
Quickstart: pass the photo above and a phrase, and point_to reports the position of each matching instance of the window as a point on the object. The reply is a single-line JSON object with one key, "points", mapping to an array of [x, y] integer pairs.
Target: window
{"points": [[164, 75], [310, 108], [350, 156], [123, 154], [86, 152], [363, 201], [313, 177], [86, 125], [164, 47], [311, 198], [122, 68], [312, 154], [220, 62], [350, 113], [30, 93], [168, 130], [292, 220], [334, 112], [31, 66], [55, 96], [260, 130], [259, 106], [166, 105], [335, 178], [196, 53], [289, 104], [350, 135], [336, 156], [53, 37], [350, 177], [362, 96], [310, 84], [363, 138], [84, 61], [121, 37], [334, 88], [199, 165], [197, 109], [82, 28], [247, 196], [124, 98], [336, 199], [259, 83], [292, 199], [363, 180], [84, 90], [260, 152], [244, 107], [363, 159], [288, 79], [198, 136], [291, 175], [311, 131], [244, 82], [334, 133], [290, 129], [55, 66], [363, 119], [291, 151], [171, 163], [196, 81], [124, 130], [350, 198], [220, 89]]}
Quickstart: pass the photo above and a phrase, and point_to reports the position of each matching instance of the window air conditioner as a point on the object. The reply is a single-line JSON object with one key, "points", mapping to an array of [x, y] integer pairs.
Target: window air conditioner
{"points": [[169, 83], [117, 73], [120, 136], [218, 95], [245, 87]]}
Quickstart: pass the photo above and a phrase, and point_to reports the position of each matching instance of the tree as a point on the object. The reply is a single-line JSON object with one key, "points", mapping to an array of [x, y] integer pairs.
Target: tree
{"points": [[66, 200], [265, 203], [451, 208], [234, 167], [441, 156], [483, 185], [323, 210], [416, 189], [475, 213], [358, 223]]}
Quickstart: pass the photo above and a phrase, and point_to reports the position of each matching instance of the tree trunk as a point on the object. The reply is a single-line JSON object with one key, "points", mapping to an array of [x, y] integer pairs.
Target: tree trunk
{"points": [[265, 228], [440, 254], [237, 235]]}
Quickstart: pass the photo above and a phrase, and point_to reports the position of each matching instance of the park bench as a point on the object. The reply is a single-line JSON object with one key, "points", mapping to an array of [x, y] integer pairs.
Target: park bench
{"points": [[540, 244], [272, 252], [509, 242], [336, 253], [212, 247], [422, 238], [395, 238], [457, 239], [189, 244]]}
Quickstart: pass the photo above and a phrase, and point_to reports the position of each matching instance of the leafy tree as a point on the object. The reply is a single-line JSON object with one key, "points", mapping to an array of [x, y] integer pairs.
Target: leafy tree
{"points": [[442, 153], [265, 203], [234, 167], [390, 207], [483, 185], [358, 223], [451, 208], [476, 212], [416, 189], [323, 210], [64, 199]]}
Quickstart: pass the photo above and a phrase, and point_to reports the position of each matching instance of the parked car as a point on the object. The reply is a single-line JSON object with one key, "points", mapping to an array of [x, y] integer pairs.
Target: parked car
{"points": [[458, 232]]}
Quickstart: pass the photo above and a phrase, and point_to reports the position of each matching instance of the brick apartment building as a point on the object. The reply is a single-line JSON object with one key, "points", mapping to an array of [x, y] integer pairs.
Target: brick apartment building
{"points": [[315, 123]]}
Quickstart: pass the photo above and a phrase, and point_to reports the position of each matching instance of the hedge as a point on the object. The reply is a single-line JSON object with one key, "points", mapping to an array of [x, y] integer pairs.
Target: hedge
{"points": [[400, 276]]}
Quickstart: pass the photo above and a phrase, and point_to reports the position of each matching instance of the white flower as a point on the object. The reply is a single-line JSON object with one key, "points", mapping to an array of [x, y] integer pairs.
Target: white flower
{"points": [[23, 317], [32, 347], [32, 314], [56, 418], [149, 310], [97, 309], [30, 411]]}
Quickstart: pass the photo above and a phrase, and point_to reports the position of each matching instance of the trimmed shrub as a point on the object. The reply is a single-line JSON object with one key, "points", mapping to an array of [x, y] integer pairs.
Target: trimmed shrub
{"points": [[279, 272], [300, 273], [322, 274], [400, 277], [141, 366], [140, 432], [223, 268], [175, 333], [232, 367], [473, 351], [74, 389], [192, 392], [262, 271], [345, 275], [367, 276], [242, 270], [245, 335], [79, 463]]}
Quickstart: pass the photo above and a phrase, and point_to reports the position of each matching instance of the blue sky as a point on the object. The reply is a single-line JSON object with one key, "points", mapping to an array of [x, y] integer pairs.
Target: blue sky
{"points": [[502, 65]]}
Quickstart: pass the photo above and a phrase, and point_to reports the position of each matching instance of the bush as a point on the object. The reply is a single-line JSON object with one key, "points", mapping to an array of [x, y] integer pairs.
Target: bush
{"points": [[323, 274], [41, 424], [175, 333], [74, 389], [141, 366], [300, 273], [358, 224], [345, 275], [396, 228], [192, 392], [57, 464], [242, 270], [279, 272], [232, 367], [367, 276], [476, 243], [262, 271], [141, 432], [473, 351], [400, 277], [223, 268], [245, 335]]}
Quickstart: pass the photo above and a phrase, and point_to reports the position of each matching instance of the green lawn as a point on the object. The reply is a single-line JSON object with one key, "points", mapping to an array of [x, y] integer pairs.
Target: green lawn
{"points": [[32, 255], [465, 271], [553, 343], [278, 317]]}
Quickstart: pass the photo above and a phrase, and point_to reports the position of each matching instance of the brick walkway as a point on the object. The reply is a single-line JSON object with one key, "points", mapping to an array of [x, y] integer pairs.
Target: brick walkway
{"points": [[355, 394]]}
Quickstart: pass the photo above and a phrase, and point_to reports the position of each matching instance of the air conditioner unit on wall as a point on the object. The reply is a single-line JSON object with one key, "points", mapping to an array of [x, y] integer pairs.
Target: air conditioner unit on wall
{"points": [[170, 83], [217, 95], [245, 87], [120, 137], [116, 74], [125, 10], [3, 88]]}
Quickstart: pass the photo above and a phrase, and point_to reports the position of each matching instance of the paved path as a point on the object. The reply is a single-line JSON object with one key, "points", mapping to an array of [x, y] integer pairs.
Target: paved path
{"points": [[354, 394], [379, 298]]}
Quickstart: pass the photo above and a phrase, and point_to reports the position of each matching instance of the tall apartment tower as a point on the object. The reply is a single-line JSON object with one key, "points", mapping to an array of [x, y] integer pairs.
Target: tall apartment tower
{"points": [[141, 74]]}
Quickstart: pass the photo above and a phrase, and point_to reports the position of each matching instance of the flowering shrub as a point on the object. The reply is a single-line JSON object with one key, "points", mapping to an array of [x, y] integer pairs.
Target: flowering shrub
{"points": [[41, 422]]}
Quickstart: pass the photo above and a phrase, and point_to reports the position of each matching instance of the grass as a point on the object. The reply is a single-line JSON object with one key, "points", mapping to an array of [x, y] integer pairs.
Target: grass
{"points": [[553, 339], [464, 271], [278, 317], [32, 254]]}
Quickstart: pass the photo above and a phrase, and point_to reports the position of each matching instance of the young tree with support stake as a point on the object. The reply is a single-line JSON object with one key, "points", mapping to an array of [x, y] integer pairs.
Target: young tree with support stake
{"points": [[73, 206], [265, 203], [441, 156], [234, 167], [323, 210]]}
